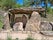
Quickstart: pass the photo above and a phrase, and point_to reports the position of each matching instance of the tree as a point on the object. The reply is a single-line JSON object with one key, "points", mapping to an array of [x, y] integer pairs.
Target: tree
{"points": [[46, 4], [31, 2], [51, 1], [26, 3], [37, 2], [1, 21], [0, 3]]}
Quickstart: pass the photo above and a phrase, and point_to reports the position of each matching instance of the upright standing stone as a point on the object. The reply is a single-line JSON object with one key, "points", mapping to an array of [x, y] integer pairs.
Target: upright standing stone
{"points": [[24, 20], [6, 21], [34, 22]]}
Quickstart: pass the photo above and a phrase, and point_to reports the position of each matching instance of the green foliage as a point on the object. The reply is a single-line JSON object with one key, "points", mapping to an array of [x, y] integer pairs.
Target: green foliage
{"points": [[49, 10], [51, 1], [26, 3], [1, 24], [16, 39], [9, 38], [1, 21], [29, 38], [18, 5], [7, 3], [37, 2]]}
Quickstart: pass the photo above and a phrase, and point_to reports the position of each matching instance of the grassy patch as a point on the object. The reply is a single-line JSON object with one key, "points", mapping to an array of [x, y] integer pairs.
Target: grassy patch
{"points": [[9, 38], [49, 10]]}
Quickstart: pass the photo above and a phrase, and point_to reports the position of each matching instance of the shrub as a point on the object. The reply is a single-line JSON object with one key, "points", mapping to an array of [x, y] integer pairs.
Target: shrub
{"points": [[29, 38], [16, 39], [1, 21], [49, 10], [9, 38]]}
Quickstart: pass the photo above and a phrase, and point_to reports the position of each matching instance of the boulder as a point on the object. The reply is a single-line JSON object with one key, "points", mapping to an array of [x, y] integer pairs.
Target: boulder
{"points": [[34, 22], [18, 26], [46, 26]]}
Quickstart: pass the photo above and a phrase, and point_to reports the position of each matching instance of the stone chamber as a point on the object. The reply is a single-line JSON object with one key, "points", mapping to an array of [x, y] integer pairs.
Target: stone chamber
{"points": [[22, 15], [26, 17], [14, 16]]}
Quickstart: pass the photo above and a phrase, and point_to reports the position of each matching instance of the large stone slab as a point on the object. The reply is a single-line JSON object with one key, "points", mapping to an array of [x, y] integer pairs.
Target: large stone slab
{"points": [[34, 22], [6, 21]]}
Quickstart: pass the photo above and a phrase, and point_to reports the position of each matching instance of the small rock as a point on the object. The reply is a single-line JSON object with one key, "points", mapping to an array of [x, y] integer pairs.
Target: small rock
{"points": [[18, 26]]}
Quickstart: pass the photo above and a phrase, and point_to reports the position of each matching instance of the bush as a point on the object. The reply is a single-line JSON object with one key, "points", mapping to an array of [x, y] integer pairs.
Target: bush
{"points": [[29, 38]]}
